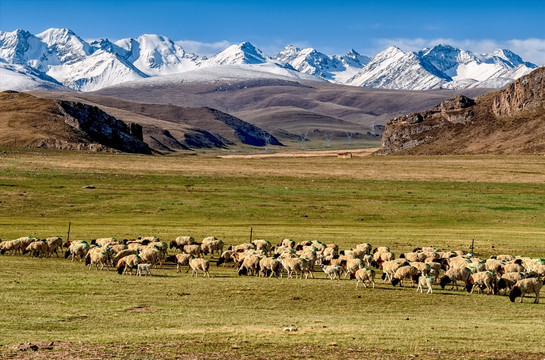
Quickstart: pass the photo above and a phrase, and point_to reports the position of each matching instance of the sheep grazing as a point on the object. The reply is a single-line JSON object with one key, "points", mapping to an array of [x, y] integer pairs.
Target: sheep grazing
{"points": [[289, 243], [526, 286], [121, 254], [351, 266], [482, 279], [422, 281], [455, 274], [26, 240], [149, 255], [292, 265], [199, 264], [263, 244], [103, 242], [180, 241], [12, 246], [212, 246], [54, 244], [365, 275], [242, 247], [146, 268], [404, 272], [508, 280], [390, 267], [365, 247], [332, 271], [414, 256], [181, 260], [194, 250], [97, 256], [78, 248], [250, 265], [225, 257], [37, 249], [512, 268], [269, 266], [129, 262]]}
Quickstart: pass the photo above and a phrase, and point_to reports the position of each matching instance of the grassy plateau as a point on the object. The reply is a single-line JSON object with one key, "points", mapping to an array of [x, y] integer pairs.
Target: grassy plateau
{"points": [[57, 309]]}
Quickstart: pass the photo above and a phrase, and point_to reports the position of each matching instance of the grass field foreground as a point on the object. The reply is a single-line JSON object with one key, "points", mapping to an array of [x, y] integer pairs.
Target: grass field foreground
{"points": [[401, 202]]}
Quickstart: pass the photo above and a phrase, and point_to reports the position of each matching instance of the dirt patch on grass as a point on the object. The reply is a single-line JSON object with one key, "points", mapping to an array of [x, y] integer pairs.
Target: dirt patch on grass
{"points": [[303, 154], [57, 350], [139, 309]]}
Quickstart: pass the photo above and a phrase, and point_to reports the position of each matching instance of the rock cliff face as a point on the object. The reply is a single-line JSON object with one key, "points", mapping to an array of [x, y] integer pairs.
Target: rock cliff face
{"points": [[105, 129], [507, 121], [29, 121]]}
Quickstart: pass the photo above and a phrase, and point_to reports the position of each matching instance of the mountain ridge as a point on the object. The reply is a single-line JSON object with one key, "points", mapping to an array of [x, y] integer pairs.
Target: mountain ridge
{"points": [[86, 66]]}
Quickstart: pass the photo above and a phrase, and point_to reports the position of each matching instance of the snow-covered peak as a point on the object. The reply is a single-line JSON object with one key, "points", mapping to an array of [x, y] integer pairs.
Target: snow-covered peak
{"points": [[511, 58], [355, 59], [66, 45], [287, 54], [244, 53], [21, 47]]}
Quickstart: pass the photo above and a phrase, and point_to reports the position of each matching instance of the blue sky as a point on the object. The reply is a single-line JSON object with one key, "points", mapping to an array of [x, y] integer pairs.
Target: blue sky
{"points": [[329, 26]]}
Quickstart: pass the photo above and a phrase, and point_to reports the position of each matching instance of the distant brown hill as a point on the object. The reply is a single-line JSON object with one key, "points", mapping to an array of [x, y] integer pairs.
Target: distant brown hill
{"points": [[287, 107], [28, 121], [172, 128], [510, 121]]}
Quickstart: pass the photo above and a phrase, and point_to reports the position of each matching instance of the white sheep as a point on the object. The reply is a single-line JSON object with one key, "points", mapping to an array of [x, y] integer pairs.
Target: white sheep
{"points": [[422, 281], [526, 286], [404, 272], [197, 264], [143, 268], [486, 279], [180, 241], [455, 274], [77, 248], [365, 275], [332, 271]]}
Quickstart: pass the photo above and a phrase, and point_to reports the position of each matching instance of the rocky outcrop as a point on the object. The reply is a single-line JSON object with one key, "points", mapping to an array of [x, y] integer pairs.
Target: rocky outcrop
{"points": [[507, 121], [105, 129], [525, 94]]}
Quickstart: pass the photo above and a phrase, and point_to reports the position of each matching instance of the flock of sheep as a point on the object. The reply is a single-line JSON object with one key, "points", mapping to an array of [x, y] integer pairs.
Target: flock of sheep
{"points": [[515, 276]]}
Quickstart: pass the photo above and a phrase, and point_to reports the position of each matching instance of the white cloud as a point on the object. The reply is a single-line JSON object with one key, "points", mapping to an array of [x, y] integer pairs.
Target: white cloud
{"points": [[532, 50], [202, 48]]}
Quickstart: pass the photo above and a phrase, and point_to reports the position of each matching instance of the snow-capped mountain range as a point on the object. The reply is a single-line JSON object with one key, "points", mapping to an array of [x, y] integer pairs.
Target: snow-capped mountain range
{"points": [[58, 58]]}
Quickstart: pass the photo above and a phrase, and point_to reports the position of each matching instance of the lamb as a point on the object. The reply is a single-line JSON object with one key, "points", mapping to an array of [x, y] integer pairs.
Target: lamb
{"points": [[180, 241], [422, 281], [332, 271], [404, 272], [482, 279], [365, 275], [194, 250], [526, 286], [77, 248], [129, 262], [454, 274], [182, 259], [269, 265], [197, 264], [143, 267]]}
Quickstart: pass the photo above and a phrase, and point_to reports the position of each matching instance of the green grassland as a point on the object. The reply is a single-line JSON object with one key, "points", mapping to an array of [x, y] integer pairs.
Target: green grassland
{"points": [[401, 202]]}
